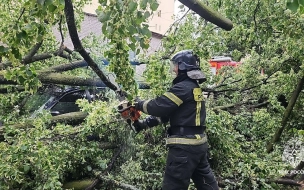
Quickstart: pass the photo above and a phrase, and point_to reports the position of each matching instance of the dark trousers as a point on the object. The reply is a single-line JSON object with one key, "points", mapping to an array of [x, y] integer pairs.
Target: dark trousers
{"points": [[185, 162]]}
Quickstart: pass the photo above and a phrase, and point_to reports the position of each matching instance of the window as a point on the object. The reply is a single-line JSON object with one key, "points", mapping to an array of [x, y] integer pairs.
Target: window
{"points": [[68, 104], [159, 13]]}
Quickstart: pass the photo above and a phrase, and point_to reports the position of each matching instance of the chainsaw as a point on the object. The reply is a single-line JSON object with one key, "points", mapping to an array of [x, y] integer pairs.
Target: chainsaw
{"points": [[128, 113]]}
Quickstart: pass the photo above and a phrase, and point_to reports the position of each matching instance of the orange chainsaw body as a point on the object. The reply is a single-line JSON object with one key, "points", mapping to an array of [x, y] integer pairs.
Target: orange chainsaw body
{"points": [[128, 112]]}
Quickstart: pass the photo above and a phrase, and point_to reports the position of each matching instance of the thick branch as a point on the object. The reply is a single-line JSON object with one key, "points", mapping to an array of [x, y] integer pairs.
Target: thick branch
{"points": [[117, 183], [32, 52], [287, 113], [286, 182], [66, 67], [69, 14], [225, 107], [67, 118], [35, 58], [4, 90], [207, 13], [77, 185], [64, 79], [73, 117], [80, 185], [109, 168], [57, 78]]}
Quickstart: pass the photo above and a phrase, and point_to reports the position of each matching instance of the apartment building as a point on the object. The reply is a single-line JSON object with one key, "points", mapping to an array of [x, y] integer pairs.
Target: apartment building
{"points": [[159, 22]]}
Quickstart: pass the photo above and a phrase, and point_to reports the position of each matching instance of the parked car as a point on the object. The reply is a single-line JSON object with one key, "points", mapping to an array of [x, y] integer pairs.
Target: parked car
{"points": [[61, 100]]}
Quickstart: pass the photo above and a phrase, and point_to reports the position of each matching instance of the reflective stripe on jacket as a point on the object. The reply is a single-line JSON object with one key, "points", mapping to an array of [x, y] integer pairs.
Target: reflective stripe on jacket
{"points": [[183, 104]]}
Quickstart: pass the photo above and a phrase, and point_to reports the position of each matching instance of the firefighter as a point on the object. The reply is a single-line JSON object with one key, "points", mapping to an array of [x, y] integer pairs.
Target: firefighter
{"points": [[184, 107]]}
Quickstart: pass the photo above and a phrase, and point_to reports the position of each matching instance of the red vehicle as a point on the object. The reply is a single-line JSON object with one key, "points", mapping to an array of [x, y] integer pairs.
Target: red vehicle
{"points": [[217, 63]]}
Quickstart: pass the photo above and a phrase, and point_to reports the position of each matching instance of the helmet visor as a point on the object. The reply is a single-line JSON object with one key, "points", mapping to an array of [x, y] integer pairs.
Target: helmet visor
{"points": [[172, 66]]}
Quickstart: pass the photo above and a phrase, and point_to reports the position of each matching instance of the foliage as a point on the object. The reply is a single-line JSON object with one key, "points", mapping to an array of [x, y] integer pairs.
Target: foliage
{"points": [[125, 25], [296, 5], [244, 105]]}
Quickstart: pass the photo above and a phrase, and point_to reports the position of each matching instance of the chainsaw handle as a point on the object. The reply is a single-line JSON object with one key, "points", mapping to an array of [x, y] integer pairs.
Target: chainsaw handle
{"points": [[122, 110]]}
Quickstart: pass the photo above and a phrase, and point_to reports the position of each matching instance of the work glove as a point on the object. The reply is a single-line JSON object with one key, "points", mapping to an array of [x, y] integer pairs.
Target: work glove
{"points": [[140, 125]]}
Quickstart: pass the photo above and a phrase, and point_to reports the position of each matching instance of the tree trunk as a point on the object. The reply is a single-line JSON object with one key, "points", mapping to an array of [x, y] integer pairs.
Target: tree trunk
{"points": [[57, 78], [207, 13], [77, 185], [70, 20], [287, 113], [64, 79], [85, 183], [73, 117]]}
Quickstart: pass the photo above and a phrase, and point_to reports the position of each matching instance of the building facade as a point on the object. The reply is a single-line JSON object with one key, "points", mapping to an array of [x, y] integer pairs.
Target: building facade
{"points": [[160, 21]]}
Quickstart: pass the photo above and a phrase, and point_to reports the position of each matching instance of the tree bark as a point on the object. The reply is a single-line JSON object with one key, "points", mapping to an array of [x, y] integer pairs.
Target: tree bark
{"points": [[287, 113], [73, 117], [64, 79], [32, 52], [109, 168], [57, 78], [82, 184], [4, 90], [207, 13], [77, 185], [69, 14], [35, 58], [285, 182], [66, 67]]}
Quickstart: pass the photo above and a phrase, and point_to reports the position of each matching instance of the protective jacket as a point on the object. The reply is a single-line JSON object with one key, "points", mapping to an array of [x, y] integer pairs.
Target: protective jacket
{"points": [[183, 104]]}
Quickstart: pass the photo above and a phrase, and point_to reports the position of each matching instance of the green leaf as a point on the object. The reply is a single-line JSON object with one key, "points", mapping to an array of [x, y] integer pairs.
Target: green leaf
{"points": [[181, 6], [143, 4], [301, 2], [147, 14], [145, 31], [26, 168], [293, 6], [16, 53], [132, 6], [89, 168], [3, 49], [154, 6], [104, 16], [104, 28], [23, 147], [21, 35], [132, 46], [52, 8], [301, 9], [21, 79], [28, 72], [41, 2], [137, 51], [48, 2], [132, 29]]}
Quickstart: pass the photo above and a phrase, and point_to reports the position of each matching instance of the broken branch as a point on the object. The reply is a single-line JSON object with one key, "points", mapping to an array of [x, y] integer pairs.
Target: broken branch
{"points": [[69, 14]]}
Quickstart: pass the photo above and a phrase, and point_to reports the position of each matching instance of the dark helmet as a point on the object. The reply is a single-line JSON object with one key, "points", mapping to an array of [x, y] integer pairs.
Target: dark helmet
{"points": [[189, 63]]}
